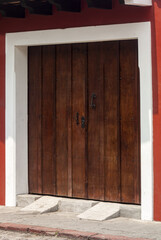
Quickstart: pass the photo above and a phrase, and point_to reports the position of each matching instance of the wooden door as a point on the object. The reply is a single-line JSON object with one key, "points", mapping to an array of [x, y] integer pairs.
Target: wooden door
{"points": [[84, 121]]}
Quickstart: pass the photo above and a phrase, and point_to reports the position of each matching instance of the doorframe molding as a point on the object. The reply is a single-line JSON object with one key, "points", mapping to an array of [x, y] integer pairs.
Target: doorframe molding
{"points": [[17, 99]]}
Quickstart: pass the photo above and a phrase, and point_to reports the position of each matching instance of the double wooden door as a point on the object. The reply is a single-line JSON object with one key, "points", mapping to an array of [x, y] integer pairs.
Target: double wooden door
{"points": [[84, 131]]}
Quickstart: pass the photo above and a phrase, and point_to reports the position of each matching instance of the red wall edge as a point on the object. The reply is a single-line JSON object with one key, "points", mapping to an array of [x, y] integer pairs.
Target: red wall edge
{"points": [[2, 119], [157, 113]]}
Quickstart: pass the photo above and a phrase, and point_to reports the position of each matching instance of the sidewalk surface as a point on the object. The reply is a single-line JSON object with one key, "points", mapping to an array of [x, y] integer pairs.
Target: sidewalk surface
{"points": [[65, 224], [14, 235]]}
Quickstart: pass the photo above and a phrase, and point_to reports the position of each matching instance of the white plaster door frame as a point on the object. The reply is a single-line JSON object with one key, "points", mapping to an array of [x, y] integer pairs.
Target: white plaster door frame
{"points": [[16, 99]]}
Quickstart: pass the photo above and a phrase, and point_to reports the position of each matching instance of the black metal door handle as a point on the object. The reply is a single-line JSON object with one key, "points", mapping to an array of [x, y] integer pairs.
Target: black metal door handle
{"points": [[83, 122], [93, 105], [77, 118]]}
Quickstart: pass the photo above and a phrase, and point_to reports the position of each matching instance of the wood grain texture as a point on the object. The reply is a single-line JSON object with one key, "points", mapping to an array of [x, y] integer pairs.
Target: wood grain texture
{"points": [[48, 120], [79, 77], [69, 112], [63, 76], [129, 122], [111, 117], [95, 123], [34, 115], [102, 160]]}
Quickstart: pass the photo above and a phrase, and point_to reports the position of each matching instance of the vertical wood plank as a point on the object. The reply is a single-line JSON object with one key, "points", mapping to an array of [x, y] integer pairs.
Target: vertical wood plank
{"points": [[112, 133], [79, 76], [48, 120], [34, 117], [63, 108], [95, 122], [130, 158], [69, 112], [102, 123]]}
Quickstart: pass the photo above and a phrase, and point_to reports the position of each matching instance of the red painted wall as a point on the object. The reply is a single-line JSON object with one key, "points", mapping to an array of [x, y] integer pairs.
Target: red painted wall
{"points": [[87, 17], [157, 112], [91, 17], [2, 119]]}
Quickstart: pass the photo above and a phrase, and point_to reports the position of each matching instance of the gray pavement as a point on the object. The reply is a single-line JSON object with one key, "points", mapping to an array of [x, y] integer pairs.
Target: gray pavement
{"points": [[8, 235], [68, 220]]}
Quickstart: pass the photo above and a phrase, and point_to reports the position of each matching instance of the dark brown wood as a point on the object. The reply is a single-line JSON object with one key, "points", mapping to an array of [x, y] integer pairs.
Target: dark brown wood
{"points": [[95, 122], [102, 160], [111, 116], [48, 120], [101, 136], [34, 115], [11, 8], [13, 11], [129, 122], [69, 115], [63, 76], [100, 4], [70, 5], [79, 76]]}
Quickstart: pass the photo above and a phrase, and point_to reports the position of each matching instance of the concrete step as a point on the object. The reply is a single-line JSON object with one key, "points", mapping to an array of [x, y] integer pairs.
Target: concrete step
{"points": [[75, 205], [130, 211], [105, 210], [24, 200], [64, 204], [102, 211], [43, 205]]}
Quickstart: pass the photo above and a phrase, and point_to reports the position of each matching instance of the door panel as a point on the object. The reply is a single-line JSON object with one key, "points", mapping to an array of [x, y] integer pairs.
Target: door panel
{"points": [[79, 78], [129, 123], [84, 121], [95, 122], [63, 90], [48, 120], [111, 117], [34, 119]]}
